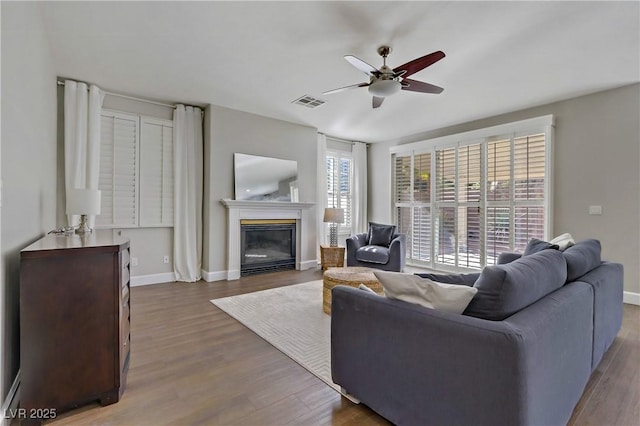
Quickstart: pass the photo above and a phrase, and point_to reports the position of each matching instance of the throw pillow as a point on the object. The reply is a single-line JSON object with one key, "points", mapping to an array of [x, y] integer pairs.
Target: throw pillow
{"points": [[365, 288], [425, 292], [535, 245], [381, 235], [563, 241], [503, 290]]}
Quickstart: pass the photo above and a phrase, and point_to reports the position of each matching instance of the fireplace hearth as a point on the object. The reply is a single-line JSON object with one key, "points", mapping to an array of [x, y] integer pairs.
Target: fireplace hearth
{"points": [[267, 245]]}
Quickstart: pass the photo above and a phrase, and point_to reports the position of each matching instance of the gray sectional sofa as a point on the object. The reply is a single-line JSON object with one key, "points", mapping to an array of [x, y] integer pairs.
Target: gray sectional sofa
{"points": [[553, 316]]}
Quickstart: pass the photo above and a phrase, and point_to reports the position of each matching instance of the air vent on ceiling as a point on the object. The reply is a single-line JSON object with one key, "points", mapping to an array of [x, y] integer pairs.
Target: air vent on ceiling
{"points": [[308, 101]]}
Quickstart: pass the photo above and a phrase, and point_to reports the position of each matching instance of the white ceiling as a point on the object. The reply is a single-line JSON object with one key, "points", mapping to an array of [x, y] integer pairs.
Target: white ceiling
{"points": [[260, 56]]}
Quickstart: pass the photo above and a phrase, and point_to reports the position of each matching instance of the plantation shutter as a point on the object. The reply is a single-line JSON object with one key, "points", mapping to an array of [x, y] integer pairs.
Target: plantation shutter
{"points": [[332, 193], [469, 213], [403, 197], [339, 191], [345, 191], [156, 172], [498, 188], [118, 178], [421, 241], [529, 182], [490, 195], [445, 204]]}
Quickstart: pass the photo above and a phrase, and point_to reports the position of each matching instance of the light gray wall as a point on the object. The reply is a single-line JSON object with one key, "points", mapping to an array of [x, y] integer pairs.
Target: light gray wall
{"points": [[228, 131], [597, 162], [28, 158]]}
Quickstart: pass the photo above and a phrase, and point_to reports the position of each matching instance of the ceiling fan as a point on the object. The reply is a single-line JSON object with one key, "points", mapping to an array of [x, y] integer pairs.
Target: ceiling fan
{"points": [[385, 81]]}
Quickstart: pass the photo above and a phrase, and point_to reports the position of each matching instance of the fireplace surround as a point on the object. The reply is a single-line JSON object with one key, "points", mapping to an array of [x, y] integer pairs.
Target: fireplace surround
{"points": [[303, 214]]}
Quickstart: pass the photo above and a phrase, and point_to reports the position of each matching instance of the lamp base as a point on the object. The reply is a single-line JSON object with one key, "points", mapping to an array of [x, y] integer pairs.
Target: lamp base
{"points": [[333, 235], [83, 228]]}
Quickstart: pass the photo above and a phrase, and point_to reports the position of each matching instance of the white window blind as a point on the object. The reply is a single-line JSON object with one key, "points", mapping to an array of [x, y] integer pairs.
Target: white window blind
{"points": [[136, 171], [156, 172], [118, 181], [412, 177], [490, 196], [339, 186]]}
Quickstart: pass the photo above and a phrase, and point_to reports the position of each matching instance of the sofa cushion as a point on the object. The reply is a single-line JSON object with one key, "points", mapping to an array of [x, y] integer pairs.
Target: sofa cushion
{"points": [[373, 254], [535, 245], [380, 234], [505, 289], [466, 279], [582, 258], [425, 292]]}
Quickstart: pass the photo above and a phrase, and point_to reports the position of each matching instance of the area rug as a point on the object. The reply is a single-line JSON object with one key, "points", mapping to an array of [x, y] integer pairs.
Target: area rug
{"points": [[291, 319]]}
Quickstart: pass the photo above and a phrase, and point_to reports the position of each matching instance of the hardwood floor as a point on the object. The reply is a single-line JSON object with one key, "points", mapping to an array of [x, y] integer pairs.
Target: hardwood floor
{"points": [[193, 364]]}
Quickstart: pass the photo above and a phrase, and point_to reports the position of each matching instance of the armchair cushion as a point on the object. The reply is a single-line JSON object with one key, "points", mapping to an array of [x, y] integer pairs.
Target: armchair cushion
{"points": [[380, 234], [373, 254]]}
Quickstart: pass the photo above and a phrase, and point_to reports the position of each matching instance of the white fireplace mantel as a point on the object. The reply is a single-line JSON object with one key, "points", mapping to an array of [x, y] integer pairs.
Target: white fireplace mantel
{"points": [[239, 210]]}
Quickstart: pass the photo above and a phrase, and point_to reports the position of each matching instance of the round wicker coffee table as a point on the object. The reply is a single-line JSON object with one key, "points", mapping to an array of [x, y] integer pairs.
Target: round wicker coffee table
{"points": [[352, 276]]}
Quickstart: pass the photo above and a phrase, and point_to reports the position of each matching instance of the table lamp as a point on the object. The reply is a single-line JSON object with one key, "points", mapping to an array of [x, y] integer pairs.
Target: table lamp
{"points": [[333, 217], [84, 202]]}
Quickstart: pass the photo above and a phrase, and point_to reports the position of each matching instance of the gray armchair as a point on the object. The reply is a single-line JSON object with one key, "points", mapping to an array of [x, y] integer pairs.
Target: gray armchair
{"points": [[361, 253]]}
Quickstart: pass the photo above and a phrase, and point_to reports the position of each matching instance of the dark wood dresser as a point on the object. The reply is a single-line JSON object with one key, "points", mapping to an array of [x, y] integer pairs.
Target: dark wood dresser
{"points": [[74, 322]]}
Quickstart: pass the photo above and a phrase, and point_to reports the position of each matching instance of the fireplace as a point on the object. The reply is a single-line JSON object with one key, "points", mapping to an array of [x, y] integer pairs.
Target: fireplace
{"points": [[267, 245]]}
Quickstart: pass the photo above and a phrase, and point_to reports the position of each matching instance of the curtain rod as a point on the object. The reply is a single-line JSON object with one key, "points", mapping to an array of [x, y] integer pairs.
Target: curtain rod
{"points": [[342, 140], [61, 83]]}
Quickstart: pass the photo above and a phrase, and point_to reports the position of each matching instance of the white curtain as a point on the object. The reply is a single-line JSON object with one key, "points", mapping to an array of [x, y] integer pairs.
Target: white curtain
{"points": [[188, 178], [359, 218], [82, 107], [321, 201]]}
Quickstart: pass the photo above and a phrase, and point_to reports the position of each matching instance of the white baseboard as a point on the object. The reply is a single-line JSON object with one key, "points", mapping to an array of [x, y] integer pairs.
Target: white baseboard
{"points": [[309, 264], [631, 298], [10, 404], [165, 277], [233, 275], [213, 276]]}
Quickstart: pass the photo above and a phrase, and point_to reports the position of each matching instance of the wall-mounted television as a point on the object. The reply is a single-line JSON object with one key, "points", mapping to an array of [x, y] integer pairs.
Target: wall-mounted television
{"points": [[265, 178]]}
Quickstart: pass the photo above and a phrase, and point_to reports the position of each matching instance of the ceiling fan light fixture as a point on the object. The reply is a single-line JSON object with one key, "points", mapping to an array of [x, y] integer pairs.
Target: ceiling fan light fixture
{"points": [[384, 88]]}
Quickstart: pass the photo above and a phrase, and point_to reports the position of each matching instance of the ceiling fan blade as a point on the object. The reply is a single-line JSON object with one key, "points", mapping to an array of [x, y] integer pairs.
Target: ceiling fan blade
{"points": [[419, 64], [420, 86], [361, 65], [353, 86], [377, 101]]}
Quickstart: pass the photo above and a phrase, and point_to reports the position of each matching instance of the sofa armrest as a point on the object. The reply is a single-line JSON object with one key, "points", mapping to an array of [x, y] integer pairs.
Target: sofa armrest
{"points": [[508, 257], [415, 365]]}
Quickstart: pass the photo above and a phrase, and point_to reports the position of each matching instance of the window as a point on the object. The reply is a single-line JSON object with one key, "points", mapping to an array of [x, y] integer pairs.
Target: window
{"points": [[490, 195], [136, 171], [339, 190]]}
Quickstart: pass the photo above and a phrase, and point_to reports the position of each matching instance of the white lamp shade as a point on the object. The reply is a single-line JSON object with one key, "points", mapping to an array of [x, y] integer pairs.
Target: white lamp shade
{"points": [[384, 88], [332, 215], [83, 201]]}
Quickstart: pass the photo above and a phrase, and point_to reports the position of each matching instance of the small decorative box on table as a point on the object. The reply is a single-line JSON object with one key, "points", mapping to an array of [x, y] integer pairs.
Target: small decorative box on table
{"points": [[331, 257], [352, 276]]}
